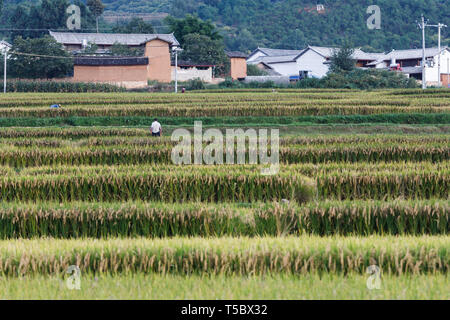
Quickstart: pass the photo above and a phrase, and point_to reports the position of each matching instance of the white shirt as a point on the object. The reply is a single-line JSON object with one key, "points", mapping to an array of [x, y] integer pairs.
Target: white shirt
{"points": [[156, 127]]}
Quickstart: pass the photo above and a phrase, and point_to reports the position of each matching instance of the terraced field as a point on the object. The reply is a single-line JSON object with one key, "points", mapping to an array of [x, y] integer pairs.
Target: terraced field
{"points": [[364, 180]]}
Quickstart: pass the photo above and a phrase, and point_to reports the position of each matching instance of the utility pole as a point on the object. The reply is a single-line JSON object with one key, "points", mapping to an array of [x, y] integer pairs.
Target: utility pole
{"points": [[176, 50], [422, 26], [439, 26]]}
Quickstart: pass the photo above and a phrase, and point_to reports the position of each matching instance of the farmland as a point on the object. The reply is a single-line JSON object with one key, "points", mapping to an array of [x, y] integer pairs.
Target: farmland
{"points": [[364, 179]]}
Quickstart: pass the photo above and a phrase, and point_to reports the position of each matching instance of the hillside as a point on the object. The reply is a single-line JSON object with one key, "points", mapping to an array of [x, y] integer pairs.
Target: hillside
{"points": [[247, 24]]}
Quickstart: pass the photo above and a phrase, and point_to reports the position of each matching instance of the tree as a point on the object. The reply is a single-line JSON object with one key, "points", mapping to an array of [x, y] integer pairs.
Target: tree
{"points": [[47, 14], [97, 8], [135, 25], [91, 48], [118, 49], [191, 24], [199, 48], [341, 60], [253, 70], [36, 67]]}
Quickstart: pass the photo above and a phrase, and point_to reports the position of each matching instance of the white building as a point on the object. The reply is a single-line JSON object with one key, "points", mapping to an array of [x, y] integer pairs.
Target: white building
{"points": [[275, 62], [188, 71], [313, 62], [410, 63]]}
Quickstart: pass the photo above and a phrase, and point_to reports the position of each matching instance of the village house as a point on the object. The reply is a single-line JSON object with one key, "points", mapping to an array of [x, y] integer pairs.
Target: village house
{"points": [[188, 70], [238, 65], [409, 62], [134, 72], [313, 62], [130, 72]]}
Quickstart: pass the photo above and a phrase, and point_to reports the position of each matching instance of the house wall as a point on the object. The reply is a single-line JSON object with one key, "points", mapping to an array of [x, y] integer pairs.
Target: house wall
{"points": [[286, 68], [238, 68], [126, 76], [192, 73], [313, 62], [431, 74], [159, 68]]}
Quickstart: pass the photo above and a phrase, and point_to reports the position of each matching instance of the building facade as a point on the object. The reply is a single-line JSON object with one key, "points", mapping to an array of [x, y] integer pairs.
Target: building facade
{"points": [[130, 72]]}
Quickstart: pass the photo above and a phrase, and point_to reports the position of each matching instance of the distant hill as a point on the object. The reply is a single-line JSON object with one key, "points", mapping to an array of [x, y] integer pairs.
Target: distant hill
{"points": [[293, 24]]}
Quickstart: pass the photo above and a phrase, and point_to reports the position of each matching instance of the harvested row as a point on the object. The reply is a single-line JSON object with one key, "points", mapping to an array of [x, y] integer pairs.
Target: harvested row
{"points": [[308, 169], [157, 187], [222, 183], [140, 137], [71, 133], [157, 154], [387, 97], [214, 111], [227, 256], [158, 220]]}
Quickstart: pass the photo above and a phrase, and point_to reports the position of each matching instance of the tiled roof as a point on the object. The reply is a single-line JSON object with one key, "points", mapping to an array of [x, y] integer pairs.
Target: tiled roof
{"points": [[236, 54], [279, 52], [275, 59], [111, 38]]}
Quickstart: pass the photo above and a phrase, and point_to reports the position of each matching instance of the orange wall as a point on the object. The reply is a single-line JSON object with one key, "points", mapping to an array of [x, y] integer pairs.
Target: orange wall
{"points": [[159, 68], [238, 68], [110, 73]]}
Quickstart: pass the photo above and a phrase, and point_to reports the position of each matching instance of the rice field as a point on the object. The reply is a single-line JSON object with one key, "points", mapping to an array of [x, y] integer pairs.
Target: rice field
{"points": [[364, 180]]}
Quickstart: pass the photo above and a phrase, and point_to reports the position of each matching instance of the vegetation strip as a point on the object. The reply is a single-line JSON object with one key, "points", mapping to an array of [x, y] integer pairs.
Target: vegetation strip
{"points": [[138, 219], [227, 256], [412, 118]]}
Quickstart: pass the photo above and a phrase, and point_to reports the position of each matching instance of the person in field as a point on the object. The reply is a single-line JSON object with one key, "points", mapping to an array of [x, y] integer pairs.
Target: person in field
{"points": [[156, 128]]}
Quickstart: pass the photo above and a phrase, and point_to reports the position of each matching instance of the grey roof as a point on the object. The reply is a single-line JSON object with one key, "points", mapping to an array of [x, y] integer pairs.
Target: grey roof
{"points": [[236, 54], [279, 52], [358, 54], [413, 53], [275, 59], [111, 38], [412, 70], [323, 51], [275, 52], [408, 54]]}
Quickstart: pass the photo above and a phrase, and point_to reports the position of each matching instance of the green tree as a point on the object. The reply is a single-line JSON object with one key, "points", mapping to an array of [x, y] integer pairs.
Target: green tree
{"points": [[118, 49], [59, 64], [135, 25], [189, 25], [341, 60], [91, 48], [97, 8], [253, 70], [199, 48], [47, 14]]}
